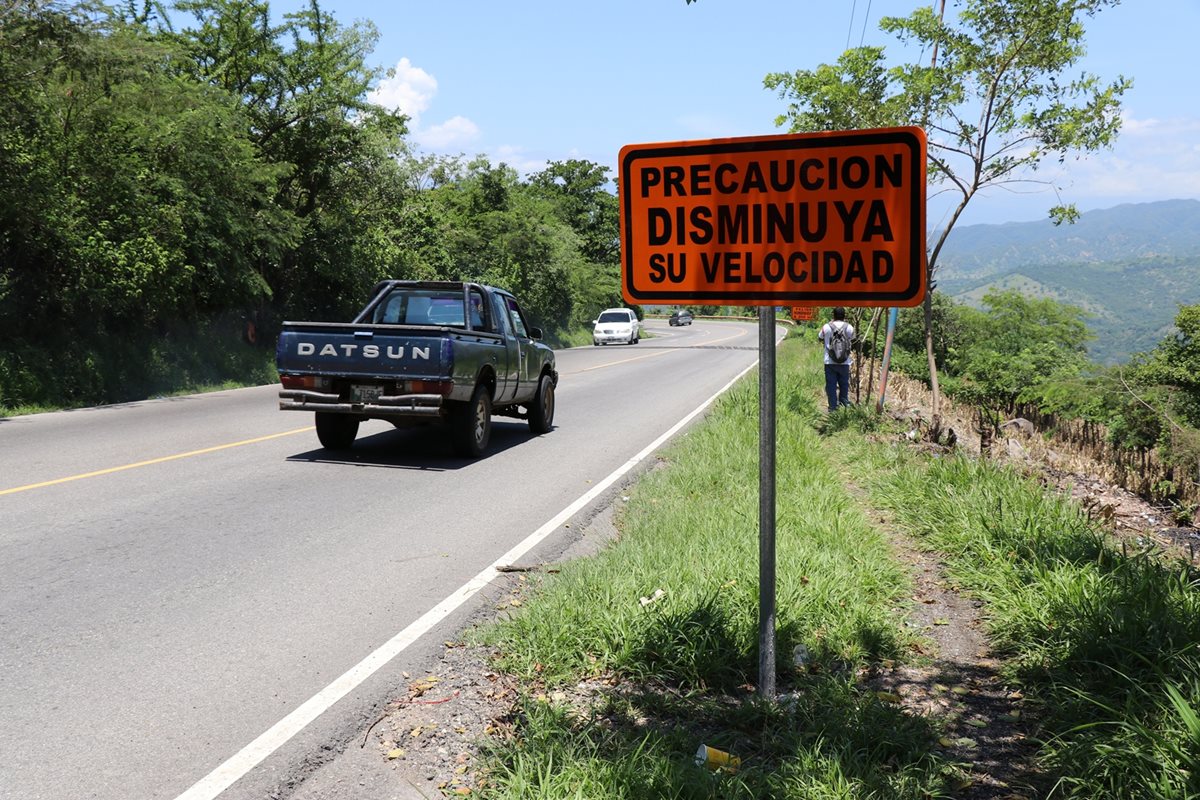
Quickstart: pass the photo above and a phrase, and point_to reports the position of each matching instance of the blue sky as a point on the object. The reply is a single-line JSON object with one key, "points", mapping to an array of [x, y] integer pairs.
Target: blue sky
{"points": [[531, 81]]}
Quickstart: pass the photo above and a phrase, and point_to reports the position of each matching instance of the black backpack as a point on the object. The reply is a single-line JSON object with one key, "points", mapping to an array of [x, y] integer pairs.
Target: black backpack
{"points": [[839, 342]]}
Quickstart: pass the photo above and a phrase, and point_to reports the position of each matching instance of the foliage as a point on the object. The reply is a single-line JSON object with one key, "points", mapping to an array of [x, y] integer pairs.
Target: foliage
{"points": [[996, 101], [1132, 302], [1022, 353], [499, 231], [130, 197], [862, 418], [1019, 345], [1100, 642], [954, 328], [301, 86], [219, 164], [1175, 364], [578, 195]]}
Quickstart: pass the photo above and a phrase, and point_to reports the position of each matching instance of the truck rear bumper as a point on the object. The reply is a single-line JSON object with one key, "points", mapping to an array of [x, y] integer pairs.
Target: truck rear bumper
{"points": [[428, 406]]}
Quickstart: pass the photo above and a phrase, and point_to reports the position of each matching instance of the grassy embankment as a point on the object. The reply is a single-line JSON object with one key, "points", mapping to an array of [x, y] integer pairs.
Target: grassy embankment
{"points": [[620, 694], [68, 373]]}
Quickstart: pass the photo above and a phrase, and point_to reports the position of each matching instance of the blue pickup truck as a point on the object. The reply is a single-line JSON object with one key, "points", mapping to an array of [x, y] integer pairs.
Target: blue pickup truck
{"points": [[420, 351]]}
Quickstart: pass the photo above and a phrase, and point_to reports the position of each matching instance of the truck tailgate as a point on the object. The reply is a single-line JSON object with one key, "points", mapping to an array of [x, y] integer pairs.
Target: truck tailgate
{"points": [[364, 351]]}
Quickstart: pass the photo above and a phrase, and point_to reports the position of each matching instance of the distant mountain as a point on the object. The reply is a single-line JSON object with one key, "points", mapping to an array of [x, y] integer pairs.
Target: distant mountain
{"points": [[1130, 266]]}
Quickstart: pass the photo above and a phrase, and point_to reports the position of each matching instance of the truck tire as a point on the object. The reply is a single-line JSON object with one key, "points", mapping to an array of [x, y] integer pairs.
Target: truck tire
{"points": [[541, 411], [471, 424], [336, 431]]}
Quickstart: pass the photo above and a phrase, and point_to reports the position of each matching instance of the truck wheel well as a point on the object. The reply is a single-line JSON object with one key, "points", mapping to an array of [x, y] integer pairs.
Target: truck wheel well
{"points": [[487, 378]]}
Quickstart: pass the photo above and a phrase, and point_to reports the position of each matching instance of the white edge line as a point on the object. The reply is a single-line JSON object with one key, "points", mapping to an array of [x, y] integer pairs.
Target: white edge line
{"points": [[253, 754]]}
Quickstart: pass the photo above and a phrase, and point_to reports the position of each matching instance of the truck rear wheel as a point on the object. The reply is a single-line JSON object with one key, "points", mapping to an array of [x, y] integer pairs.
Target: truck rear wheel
{"points": [[471, 424], [336, 431], [541, 410]]}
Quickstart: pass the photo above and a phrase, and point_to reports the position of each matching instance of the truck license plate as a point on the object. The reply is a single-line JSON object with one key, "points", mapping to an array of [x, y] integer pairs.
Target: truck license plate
{"points": [[365, 393]]}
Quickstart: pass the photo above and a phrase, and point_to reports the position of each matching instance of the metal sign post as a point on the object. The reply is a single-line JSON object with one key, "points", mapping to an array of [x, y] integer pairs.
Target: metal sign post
{"points": [[766, 502]]}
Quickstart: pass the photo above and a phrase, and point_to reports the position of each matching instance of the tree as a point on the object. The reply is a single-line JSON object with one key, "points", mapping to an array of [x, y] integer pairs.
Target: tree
{"points": [[578, 190], [499, 231], [302, 87], [578, 195], [1167, 384], [996, 102], [133, 205], [132, 197], [1018, 346], [1175, 365], [955, 326]]}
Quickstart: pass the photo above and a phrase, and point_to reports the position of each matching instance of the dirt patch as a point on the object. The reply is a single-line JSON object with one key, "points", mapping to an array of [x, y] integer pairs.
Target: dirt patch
{"points": [[432, 736], [955, 681]]}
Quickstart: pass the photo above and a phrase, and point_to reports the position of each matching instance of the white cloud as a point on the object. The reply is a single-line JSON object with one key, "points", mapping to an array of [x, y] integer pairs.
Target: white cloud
{"points": [[520, 159], [411, 90], [407, 89], [1133, 126], [1153, 159], [452, 134], [1157, 126]]}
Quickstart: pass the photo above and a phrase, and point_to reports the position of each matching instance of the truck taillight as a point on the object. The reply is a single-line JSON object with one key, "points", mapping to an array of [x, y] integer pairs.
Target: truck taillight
{"points": [[430, 387], [304, 382]]}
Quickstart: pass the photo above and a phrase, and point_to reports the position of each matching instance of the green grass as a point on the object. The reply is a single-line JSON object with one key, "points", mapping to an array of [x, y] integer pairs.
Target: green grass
{"points": [[1105, 642], [570, 337], [684, 666], [71, 373]]}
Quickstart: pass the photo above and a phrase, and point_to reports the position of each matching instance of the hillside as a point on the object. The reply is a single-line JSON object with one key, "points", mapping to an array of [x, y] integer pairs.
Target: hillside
{"points": [[1130, 266]]}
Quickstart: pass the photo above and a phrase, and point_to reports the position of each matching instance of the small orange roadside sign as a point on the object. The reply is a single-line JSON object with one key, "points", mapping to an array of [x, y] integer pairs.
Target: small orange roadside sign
{"points": [[803, 313], [831, 218]]}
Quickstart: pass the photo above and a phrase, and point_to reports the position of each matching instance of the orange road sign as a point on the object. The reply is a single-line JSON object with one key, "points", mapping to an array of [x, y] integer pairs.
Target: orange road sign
{"points": [[831, 218], [803, 313]]}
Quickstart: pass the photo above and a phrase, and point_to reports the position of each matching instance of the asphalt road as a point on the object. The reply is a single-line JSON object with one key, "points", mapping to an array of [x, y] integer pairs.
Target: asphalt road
{"points": [[178, 576]]}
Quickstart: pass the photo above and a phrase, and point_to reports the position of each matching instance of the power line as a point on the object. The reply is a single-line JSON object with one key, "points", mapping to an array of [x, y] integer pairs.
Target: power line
{"points": [[850, 29], [866, 17]]}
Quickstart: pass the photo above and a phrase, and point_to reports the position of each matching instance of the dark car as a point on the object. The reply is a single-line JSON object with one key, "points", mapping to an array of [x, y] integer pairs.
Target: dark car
{"points": [[681, 317]]}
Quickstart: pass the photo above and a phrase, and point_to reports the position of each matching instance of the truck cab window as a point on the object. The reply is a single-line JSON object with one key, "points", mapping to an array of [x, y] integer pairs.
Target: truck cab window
{"points": [[518, 321], [391, 311], [478, 312]]}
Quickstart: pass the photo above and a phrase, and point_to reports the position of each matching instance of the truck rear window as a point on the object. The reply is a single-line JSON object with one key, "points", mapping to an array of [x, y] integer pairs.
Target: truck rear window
{"points": [[404, 306]]}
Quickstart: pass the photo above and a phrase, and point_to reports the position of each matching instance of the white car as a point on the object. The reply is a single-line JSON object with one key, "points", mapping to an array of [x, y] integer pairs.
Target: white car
{"points": [[615, 325]]}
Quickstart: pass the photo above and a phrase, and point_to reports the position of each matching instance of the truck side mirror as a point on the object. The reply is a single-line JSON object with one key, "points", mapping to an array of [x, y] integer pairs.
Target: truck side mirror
{"points": [[535, 333]]}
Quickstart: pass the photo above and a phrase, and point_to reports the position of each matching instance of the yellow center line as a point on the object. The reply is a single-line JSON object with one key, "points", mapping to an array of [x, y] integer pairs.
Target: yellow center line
{"points": [[152, 461], [651, 355], [662, 352], [625, 360], [727, 338]]}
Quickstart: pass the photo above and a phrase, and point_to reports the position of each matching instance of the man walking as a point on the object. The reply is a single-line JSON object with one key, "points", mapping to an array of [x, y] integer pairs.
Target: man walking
{"points": [[837, 336]]}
